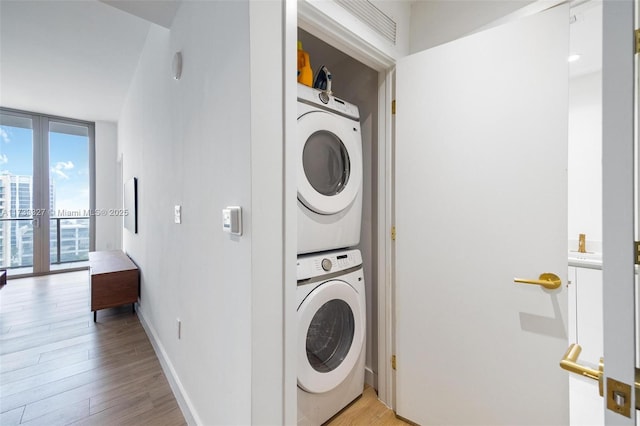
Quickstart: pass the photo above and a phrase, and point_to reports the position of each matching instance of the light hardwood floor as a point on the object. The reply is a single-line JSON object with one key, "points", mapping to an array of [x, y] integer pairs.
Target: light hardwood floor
{"points": [[366, 411], [58, 367]]}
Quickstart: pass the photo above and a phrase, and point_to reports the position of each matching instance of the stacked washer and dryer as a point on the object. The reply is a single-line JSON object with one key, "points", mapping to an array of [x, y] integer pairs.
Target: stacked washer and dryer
{"points": [[330, 278]]}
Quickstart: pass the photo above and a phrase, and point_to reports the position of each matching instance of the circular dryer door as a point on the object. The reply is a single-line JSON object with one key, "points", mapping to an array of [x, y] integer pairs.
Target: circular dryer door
{"points": [[330, 336], [330, 162]]}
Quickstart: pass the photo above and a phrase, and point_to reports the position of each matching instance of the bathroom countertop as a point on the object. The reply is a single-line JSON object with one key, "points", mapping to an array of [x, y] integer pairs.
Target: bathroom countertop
{"points": [[589, 260]]}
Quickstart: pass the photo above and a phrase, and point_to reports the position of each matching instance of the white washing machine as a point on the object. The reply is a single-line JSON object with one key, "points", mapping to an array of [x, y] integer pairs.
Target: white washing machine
{"points": [[331, 333], [329, 176]]}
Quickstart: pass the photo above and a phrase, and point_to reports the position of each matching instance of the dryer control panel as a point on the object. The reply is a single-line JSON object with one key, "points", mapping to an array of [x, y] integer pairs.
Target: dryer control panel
{"points": [[321, 100], [319, 264]]}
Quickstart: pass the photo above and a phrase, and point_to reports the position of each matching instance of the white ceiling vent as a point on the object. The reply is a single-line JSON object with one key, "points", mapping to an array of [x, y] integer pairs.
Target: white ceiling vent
{"points": [[372, 16]]}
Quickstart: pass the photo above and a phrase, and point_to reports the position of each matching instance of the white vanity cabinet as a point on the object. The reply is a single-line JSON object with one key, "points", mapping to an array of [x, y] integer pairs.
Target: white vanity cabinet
{"points": [[585, 328]]}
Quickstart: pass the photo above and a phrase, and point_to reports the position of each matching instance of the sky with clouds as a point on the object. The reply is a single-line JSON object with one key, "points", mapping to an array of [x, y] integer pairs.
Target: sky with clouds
{"points": [[68, 164]]}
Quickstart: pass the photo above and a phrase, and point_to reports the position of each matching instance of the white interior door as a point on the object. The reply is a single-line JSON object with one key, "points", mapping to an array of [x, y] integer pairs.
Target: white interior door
{"points": [[481, 158]]}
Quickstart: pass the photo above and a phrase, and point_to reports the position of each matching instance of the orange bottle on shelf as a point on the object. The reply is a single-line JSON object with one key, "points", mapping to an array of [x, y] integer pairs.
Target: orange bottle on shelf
{"points": [[305, 73]]}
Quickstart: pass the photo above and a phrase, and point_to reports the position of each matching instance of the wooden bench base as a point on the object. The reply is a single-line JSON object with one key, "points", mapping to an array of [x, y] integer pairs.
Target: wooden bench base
{"points": [[115, 280], [95, 313]]}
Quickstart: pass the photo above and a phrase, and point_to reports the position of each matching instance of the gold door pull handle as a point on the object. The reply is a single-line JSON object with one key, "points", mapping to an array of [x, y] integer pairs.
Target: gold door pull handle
{"points": [[547, 280]]}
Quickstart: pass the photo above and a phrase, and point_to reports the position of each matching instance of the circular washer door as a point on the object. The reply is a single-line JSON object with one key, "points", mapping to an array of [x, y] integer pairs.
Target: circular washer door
{"points": [[330, 336], [330, 161]]}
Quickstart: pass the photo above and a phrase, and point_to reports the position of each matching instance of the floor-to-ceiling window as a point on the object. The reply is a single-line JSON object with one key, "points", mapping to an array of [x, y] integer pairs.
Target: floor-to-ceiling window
{"points": [[46, 182]]}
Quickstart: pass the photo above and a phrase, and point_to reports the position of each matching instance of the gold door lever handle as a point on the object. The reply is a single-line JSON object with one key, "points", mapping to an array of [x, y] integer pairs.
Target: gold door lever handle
{"points": [[618, 393], [570, 363], [547, 280]]}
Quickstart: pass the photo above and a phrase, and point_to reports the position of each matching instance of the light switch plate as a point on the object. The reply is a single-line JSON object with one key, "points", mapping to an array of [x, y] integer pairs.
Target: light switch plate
{"points": [[177, 214], [232, 220]]}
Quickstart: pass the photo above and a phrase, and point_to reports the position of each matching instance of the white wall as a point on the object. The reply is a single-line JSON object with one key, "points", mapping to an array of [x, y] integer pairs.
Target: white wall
{"points": [[400, 13], [337, 26], [108, 228], [188, 142], [435, 22], [585, 160], [273, 212]]}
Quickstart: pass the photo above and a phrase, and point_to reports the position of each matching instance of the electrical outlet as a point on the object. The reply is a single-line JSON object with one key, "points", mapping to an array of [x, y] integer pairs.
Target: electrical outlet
{"points": [[179, 328], [177, 214]]}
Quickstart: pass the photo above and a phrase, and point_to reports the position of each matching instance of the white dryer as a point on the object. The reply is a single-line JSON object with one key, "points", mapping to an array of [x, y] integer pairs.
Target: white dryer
{"points": [[331, 333], [329, 176]]}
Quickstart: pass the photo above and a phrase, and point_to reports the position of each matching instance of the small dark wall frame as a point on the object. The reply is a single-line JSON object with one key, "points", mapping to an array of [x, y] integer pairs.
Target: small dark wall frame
{"points": [[131, 205]]}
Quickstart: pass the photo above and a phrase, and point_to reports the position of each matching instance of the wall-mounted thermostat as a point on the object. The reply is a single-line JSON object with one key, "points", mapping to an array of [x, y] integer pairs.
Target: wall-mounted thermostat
{"points": [[232, 220]]}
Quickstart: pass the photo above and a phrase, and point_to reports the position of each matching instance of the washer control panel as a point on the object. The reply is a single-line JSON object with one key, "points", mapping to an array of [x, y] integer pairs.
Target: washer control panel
{"points": [[319, 264]]}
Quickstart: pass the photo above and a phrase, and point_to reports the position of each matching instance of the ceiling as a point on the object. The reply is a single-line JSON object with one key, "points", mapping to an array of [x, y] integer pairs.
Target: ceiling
{"points": [[159, 12], [585, 35], [77, 58], [74, 58]]}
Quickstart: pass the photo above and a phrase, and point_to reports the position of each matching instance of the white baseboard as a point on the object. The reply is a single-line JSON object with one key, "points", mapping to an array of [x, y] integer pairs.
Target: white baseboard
{"points": [[188, 411], [370, 378]]}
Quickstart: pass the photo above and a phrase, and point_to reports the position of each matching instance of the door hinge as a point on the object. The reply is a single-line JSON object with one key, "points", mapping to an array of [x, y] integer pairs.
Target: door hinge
{"points": [[637, 41], [393, 233], [393, 107], [393, 362], [636, 253]]}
